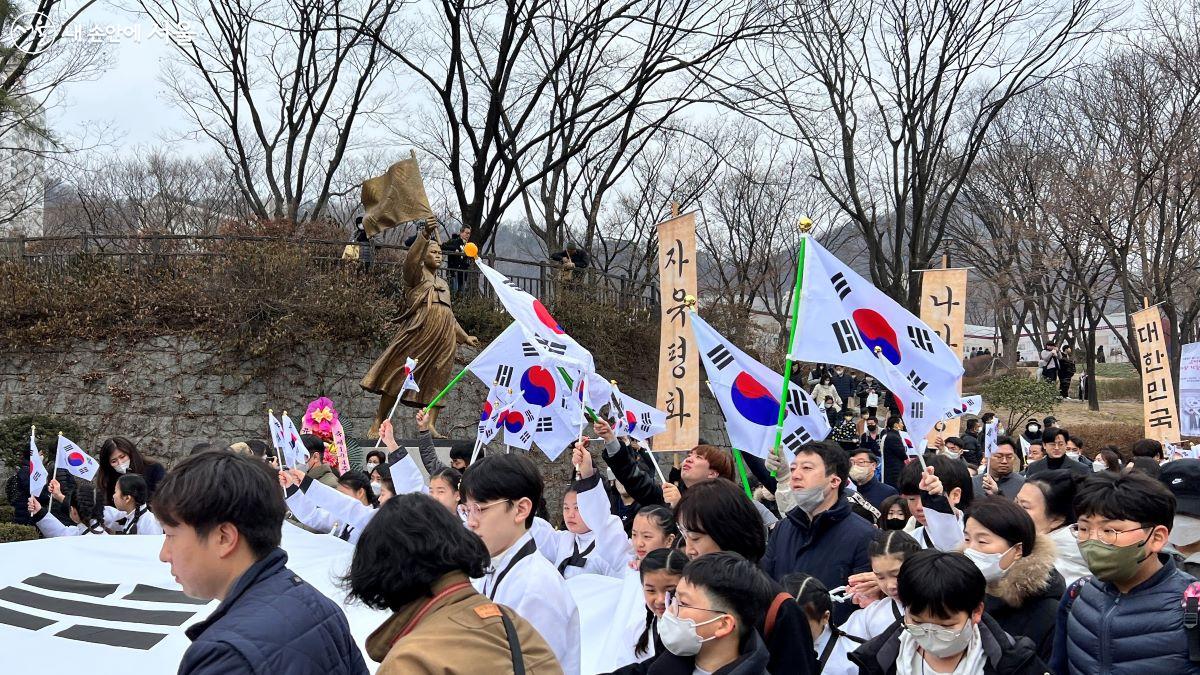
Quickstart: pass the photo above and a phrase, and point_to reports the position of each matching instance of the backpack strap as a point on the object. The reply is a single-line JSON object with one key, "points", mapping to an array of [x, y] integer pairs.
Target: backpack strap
{"points": [[1191, 620], [773, 613], [1073, 591]]}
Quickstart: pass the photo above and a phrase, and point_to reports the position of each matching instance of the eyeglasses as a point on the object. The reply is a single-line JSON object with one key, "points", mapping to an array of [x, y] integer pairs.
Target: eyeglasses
{"points": [[475, 510], [1107, 536], [675, 605], [690, 534], [940, 634]]}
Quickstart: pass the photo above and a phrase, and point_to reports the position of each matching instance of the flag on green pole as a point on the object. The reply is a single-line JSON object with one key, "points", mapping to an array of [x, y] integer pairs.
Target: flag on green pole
{"points": [[805, 226]]}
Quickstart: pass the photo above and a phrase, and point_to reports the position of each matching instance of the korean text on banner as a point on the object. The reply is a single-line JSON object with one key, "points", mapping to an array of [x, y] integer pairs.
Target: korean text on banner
{"points": [[1189, 390], [678, 362], [1158, 391], [944, 309]]}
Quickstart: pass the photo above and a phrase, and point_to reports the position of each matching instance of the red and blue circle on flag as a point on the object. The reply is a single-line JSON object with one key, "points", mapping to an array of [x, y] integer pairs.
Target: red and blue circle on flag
{"points": [[537, 386], [877, 332], [753, 401]]}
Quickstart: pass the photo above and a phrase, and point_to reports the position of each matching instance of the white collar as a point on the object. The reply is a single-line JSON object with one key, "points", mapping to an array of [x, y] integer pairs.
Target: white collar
{"points": [[500, 562]]}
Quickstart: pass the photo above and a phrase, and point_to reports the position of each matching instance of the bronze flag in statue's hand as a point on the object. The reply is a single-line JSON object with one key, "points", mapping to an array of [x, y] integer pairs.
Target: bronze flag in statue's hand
{"points": [[398, 196]]}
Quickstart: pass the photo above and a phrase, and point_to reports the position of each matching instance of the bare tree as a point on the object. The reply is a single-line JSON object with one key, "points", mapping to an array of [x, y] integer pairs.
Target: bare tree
{"points": [[894, 100], [38, 55], [147, 192], [520, 89], [282, 88]]}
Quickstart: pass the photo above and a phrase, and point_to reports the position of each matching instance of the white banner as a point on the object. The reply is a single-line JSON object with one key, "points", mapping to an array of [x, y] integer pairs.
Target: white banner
{"points": [[55, 590]]}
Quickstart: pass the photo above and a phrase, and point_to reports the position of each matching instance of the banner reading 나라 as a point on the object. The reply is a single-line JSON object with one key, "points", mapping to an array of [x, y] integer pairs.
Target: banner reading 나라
{"points": [[1158, 391], [678, 362], [944, 309]]}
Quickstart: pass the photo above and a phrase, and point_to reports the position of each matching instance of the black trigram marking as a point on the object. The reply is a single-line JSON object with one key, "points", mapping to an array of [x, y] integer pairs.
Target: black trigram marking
{"points": [[847, 336], [917, 410], [920, 338], [504, 375], [556, 348], [720, 357], [528, 350], [916, 381], [525, 437], [647, 422], [795, 440], [545, 425], [797, 403], [512, 284], [840, 285]]}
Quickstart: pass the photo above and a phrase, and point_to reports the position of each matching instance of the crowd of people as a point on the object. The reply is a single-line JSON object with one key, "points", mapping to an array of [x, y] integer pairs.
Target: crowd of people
{"points": [[1051, 553]]}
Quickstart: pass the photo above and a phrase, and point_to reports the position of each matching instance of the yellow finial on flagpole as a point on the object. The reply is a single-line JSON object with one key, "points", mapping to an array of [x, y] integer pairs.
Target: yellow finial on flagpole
{"points": [[690, 301], [805, 224]]}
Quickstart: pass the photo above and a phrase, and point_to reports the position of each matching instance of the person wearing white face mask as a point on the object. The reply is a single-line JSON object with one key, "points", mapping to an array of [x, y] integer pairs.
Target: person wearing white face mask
{"points": [[1024, 588], [709, 625], [944, 629]]}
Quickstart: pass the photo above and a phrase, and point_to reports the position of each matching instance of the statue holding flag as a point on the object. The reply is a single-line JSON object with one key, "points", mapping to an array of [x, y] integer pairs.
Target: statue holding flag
{"points": [[428, 333]]}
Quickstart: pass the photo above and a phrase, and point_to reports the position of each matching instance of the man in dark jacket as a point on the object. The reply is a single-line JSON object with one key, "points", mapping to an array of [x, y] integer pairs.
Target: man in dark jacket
{"points": [[943, 593], [971, 445], [1054, 443], [573, 254], [821, 535], [222, 514], [846, 387], [895, 453], [457, 262], [1129, 617], [863, 466]]}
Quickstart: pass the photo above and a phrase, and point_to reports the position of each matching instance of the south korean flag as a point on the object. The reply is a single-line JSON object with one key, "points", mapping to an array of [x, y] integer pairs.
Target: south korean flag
{"points": [[748, 393], [843, 319]]}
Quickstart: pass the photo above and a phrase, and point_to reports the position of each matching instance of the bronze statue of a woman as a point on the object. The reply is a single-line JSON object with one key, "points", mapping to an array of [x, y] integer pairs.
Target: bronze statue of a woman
{"points": [[428, 333]]}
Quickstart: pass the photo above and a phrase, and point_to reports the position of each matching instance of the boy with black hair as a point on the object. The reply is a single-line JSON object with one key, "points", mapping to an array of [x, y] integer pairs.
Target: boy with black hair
{"points": [[222, 514], [821, 535], [500, 496], [944, 629], [709, 627], [1147, 447], [1129, 616], [937, 497]]}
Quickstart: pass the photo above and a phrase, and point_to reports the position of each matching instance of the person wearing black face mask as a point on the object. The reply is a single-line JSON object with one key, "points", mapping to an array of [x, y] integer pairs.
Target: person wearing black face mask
{"points": [[871, 436], [895, 513]]}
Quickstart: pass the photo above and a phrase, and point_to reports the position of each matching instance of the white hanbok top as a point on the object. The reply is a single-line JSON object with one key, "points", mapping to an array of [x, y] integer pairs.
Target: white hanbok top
{"points": [[873, 619], [325, 509], [524, 580], [605, 550]]}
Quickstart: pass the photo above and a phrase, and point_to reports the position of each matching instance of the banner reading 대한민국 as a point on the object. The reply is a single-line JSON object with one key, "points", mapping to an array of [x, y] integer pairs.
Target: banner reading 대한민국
{"points": [[944, 309], [1158, 391], [678, 362], [1189, 390]]}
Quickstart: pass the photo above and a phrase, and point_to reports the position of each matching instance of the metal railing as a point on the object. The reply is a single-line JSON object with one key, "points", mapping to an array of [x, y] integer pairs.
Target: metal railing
{"points": [[54, 257]]}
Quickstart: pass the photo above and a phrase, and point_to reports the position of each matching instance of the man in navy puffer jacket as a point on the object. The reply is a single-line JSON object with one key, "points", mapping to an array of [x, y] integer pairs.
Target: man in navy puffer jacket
{"points": [[1127, 619], [222, 514]]}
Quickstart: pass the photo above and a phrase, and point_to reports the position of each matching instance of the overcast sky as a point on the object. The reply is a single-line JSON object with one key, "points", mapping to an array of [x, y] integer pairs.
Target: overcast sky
{"points": [[128, 95]]}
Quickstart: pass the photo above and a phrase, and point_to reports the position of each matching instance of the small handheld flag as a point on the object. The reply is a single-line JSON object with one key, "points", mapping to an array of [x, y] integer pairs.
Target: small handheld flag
{"points": [[37, 469], [409, 383], [77, 462]]}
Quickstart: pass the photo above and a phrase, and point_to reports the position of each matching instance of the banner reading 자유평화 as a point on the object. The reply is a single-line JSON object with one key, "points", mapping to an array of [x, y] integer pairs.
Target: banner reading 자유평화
{"points": [[1158, 391], [944, 309], [1189, 390], [678, 362]]}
